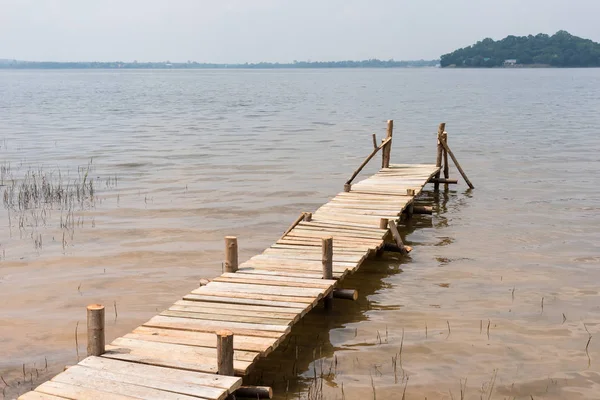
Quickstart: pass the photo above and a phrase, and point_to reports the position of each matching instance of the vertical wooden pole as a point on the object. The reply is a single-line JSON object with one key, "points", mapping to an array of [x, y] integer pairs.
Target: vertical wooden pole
{"points": [[383, 223], [307, 216], [438, 162], [225, 353], [446, 165], [386, 152], [347, 187], [231, 254], [327, 260], [409, 210], [95, 330]]}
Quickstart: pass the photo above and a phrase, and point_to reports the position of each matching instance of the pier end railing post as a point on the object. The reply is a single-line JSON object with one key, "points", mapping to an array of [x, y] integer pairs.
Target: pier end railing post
{"points": [[387, 149], [438, 162]]}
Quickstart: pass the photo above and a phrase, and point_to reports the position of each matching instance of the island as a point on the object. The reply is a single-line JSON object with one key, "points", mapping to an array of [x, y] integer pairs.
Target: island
{"points": [[559, 50]]}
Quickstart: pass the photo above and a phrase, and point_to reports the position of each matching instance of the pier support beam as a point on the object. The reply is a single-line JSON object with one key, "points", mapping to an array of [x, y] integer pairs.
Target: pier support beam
{"points": [[225, 353], [345, 294], [95, 330], [231, 254], [254, 392], [327, 260], [422, 210]]}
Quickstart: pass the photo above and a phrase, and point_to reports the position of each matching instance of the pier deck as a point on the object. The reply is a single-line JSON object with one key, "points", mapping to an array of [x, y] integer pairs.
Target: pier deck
{"points": [[175, 354]]}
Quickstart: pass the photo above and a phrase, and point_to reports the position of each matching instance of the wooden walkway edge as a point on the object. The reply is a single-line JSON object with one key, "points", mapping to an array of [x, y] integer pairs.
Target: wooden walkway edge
{"points": [[178, 355]]}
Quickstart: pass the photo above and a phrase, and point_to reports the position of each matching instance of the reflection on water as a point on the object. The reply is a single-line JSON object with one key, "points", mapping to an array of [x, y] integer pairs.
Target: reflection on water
{"points": [[183, 158]]}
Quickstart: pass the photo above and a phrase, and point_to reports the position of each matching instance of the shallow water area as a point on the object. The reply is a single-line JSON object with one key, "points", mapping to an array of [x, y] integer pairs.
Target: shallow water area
{"points": [[498, 299]]}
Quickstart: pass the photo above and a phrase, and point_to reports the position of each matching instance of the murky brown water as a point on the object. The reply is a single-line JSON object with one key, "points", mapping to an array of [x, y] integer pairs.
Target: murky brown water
{"points": [[202, 154]]}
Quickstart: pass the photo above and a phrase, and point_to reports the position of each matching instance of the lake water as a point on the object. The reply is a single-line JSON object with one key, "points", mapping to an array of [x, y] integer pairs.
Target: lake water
{"points": [[499, 297]]}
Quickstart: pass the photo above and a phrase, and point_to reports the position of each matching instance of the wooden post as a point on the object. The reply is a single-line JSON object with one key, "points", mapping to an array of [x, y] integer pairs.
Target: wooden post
{"points": [[95, 330], [446, 165], [327, 260], [231, 254], [387, 150], [409, 210], [438, 162], [225, 353], [347, 187], [374, 141], [383, 223], [307, 216]]}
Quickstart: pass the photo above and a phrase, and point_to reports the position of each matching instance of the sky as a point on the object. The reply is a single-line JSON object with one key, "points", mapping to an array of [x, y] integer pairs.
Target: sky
{"points": [[238, 31]]}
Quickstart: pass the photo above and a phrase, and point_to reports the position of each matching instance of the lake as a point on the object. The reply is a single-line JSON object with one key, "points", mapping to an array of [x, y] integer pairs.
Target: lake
{"points": [[498, 299]]}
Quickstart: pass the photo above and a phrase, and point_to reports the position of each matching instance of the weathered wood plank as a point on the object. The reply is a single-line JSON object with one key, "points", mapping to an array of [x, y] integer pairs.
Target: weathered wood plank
{"points": [[134, 369], [39, 396], [226, 317], [155, 382], [241, 309], [285, 281], [241, 328], [235, 298], [91, 381], [257, 271], [260, 289], [59, 390], [200, 339]]}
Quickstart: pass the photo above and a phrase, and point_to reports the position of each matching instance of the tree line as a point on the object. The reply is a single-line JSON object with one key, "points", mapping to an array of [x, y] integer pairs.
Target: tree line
{"points": [[559, 50]]}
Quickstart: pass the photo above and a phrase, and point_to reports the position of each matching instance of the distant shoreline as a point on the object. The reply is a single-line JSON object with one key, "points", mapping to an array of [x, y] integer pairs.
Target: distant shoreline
{"points": [[15, 64]]}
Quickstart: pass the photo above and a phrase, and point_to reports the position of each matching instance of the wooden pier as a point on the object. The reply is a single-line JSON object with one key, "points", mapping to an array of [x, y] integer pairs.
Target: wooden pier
{"points": [[204, 344]]}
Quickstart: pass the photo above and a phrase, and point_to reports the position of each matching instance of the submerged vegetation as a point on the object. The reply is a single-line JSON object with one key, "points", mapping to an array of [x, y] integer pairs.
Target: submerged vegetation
{"points": [[32, 194], [559, 50]]}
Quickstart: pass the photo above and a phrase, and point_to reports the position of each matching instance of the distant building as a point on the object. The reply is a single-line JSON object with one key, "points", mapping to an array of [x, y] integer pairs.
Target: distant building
{"points": [[510, 63]]}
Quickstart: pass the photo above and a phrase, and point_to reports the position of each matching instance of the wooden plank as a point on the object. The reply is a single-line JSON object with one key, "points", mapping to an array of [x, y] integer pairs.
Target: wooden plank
{"points": [[91, 381], [170, 359], [260, 289], [294, 263], [308, 256], [236, 309], [284, 281], [219, 314], [338, 225], [242, 299], [364, 246], [322, 232], [59, 390], [337, 271], [241, 328], [291, 274], [225, 317], [154, 382], [39, 396], [200, 339], [194, 352], [194, 378], [324, 220], [304, 247]]}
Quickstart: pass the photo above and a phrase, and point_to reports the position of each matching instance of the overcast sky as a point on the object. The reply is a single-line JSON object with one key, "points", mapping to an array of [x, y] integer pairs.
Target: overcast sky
{"points": [[230, 31]]}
